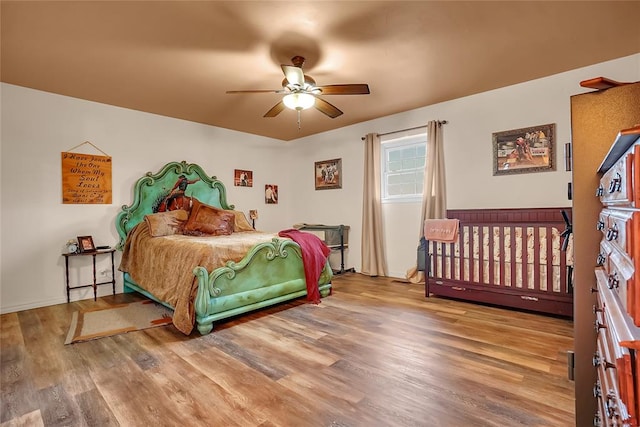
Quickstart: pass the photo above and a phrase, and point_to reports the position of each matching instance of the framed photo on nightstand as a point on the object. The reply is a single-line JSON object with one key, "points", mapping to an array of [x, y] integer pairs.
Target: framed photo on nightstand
{"points": [[85, 244]]}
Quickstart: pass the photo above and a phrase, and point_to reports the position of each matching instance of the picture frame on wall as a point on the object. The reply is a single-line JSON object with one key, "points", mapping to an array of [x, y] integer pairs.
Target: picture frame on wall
{"points": [[328, 174], [271, 194], [85, 244], [524, 150], [242, 178]]}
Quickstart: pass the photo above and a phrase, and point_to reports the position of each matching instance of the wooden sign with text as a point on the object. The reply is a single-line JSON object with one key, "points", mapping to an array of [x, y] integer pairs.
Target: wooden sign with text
{"points": [[86, 179]]}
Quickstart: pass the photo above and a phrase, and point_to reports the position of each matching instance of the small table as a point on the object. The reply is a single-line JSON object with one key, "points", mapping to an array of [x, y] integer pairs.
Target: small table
{"points": [[335, 237], [95, 283]]}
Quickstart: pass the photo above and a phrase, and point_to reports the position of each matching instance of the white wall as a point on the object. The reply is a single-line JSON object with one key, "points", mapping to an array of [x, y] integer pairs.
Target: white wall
{"points": [[37, 126], [468, 158]]}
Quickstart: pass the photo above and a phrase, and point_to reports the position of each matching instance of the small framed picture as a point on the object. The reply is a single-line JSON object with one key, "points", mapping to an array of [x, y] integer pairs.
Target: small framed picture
{"points": [[271, 194], [85, 244], [328, 174], [242, 178]]}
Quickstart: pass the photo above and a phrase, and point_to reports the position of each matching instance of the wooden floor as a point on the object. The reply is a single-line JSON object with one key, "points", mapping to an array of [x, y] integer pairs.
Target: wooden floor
{"points": [[375, 353]]}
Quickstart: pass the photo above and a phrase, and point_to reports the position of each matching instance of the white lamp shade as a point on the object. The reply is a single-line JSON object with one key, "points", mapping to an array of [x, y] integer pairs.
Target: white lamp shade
{"points": [[299, 101]]}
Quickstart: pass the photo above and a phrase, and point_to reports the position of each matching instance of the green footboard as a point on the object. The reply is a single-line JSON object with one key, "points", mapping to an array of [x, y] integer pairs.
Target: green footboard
{"points": [[271, 272]]}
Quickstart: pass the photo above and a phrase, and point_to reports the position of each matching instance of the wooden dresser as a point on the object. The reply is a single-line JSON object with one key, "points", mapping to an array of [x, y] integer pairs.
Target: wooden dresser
{"points": [[617, 308]]}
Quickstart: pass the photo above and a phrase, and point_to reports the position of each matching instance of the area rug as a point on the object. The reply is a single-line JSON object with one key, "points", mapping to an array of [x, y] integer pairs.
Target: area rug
{"points": [[118, 319]]}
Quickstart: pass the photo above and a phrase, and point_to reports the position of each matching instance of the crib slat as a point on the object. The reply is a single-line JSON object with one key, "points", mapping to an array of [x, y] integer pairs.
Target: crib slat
{"points": [[512, 261], [491, 250], [564, 284], [461, 250], [452, 260], [550, 266], [503, 281], [470, 257], [525, 256], [536, 258], [481, 268], [441, 260]]}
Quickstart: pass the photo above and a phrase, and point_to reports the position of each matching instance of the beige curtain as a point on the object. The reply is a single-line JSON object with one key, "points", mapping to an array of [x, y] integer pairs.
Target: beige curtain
{"points": [[373, 257], [434, 194]]}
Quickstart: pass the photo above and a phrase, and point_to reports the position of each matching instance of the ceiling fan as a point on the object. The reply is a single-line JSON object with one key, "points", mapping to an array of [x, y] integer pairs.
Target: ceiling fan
{"points": [[301, 92]]}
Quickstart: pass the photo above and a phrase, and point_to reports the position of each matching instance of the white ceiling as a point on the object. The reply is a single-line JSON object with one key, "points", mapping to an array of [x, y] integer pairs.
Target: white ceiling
{"points": [[178, 58]]}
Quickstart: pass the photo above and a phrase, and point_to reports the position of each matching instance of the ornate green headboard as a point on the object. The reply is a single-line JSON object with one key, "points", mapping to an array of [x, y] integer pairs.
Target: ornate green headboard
{"points": [[176, 183]]}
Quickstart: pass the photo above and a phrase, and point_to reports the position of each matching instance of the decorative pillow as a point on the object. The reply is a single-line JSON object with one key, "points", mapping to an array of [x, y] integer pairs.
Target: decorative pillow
{"points": [[208, 220], [166, 223], [241, 222]]}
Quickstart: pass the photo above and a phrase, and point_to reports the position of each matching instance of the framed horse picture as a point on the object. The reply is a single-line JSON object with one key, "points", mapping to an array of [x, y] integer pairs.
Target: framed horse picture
{"points": [[524, 150], [328, 174]]}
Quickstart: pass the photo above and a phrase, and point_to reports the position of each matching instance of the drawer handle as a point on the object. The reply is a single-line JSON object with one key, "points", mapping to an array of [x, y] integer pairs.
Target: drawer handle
{"points": [[597, 325], [610, 405], [597, 390], [597, 421], [528, 298], [613, 281], [600, 191], [457, 288], [612, 233], [615, 184], [600, 260], [597, 361], [596, 309], [600, 225], [593, 290]]}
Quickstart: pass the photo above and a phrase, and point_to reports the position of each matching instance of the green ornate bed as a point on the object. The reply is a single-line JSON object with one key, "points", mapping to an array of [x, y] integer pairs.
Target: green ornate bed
{"points": [[271, 272]]}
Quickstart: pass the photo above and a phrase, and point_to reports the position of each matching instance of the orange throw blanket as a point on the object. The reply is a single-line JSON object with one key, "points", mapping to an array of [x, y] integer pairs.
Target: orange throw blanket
{"points": [[441, 230], [314, 257]]}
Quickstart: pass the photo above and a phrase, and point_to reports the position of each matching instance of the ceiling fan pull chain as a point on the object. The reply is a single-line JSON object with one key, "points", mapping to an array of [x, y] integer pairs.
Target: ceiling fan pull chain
{"points": [[299, 119]]}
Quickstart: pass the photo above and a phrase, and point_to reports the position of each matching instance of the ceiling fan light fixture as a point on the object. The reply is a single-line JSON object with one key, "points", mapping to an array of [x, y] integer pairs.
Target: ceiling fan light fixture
{"points": [[299, 101]]}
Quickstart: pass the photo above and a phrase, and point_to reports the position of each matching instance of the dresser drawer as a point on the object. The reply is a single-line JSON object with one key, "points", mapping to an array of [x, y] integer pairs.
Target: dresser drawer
{"points": [[621, 228], [621, 281], [619, 185]]}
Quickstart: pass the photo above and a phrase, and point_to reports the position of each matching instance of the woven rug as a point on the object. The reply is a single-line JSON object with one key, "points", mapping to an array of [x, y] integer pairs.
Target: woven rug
{"points": [[118, 319]]}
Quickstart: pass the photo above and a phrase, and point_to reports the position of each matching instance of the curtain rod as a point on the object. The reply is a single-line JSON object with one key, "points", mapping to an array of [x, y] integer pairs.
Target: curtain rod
{"points": [[440, 122]]}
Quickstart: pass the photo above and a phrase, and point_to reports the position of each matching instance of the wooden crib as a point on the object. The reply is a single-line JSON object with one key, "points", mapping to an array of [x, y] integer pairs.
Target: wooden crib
{"points": [[506, 257]]}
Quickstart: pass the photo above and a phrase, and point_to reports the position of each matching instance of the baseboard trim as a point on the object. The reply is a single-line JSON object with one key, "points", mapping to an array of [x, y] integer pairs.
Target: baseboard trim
{"points": [[82, 294]]}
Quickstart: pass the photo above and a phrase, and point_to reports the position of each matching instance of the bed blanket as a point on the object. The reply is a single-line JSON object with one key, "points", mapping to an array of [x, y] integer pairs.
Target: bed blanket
{"points": [[314, 258], [164, 265]]}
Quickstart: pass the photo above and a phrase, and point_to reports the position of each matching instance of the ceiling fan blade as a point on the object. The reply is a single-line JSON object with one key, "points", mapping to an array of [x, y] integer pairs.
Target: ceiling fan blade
{"points": [[294, 75], [326, 108], [275, 110], [257, 91], [348, 89]]}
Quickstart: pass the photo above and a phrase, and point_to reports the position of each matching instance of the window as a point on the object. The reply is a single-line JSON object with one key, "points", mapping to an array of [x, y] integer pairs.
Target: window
{"points": [[403, 161]]}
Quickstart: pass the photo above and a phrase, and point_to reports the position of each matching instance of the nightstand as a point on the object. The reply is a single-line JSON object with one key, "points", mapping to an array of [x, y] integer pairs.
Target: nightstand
{"points": [[95, 283]]}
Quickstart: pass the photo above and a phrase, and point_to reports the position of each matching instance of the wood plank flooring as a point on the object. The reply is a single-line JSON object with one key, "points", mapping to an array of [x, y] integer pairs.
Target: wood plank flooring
{"points": [[375, 353]]}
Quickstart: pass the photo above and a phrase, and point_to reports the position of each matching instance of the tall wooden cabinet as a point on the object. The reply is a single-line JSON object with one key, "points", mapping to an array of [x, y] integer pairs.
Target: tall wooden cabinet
{"points": [[596, 119]]}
